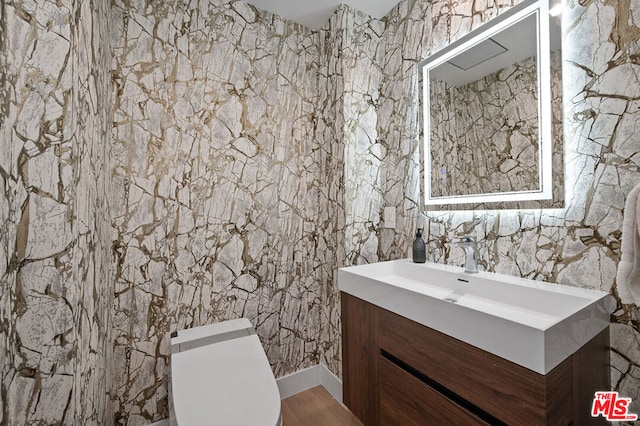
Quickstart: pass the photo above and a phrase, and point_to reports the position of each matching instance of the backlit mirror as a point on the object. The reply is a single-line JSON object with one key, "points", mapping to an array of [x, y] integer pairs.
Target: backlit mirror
{"points": [[492, 113]]}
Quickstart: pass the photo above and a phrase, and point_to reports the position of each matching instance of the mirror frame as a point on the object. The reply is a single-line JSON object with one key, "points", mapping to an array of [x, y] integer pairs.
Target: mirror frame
{"points": [[545, 134]]}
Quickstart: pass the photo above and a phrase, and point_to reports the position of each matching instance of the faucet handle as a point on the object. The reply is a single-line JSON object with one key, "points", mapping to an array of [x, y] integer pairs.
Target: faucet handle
{"points": [[468, 239]]}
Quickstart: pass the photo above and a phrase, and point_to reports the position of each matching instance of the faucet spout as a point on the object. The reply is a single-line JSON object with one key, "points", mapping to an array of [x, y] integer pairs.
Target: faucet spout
{"points": [[468, 244]]}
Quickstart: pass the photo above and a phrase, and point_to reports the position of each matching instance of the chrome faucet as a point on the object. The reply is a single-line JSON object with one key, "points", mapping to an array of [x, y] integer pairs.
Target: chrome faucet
{"points": [[468, 244]]}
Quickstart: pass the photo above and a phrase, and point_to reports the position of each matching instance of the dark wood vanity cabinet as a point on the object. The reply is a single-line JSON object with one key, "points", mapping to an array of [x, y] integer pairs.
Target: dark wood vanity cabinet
{"points": [[399, 372]]}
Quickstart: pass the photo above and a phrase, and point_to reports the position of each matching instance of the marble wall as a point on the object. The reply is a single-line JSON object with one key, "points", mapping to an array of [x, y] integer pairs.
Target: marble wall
{"points": [[55, 244], [230, 161], [224, 201], [364, 150]]}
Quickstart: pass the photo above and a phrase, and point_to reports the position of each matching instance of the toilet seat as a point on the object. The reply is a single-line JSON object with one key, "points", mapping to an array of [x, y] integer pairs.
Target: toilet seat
{"points": [[220, 375]]}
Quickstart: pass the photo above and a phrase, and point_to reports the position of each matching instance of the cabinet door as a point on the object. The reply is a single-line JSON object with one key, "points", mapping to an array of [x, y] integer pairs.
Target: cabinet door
{"points": [[360, 358], [505, 390], [405, 400]]}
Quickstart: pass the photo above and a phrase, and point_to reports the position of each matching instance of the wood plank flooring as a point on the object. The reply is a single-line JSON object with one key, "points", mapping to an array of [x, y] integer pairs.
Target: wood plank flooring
{"points": [[316, 407]]}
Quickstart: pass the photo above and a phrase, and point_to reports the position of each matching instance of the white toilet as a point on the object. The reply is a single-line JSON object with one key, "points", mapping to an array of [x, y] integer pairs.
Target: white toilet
{"points": [[220, 375]]}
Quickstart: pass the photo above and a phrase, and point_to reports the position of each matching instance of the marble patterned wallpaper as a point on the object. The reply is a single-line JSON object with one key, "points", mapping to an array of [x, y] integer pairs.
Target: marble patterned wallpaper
{"points": [[210, 161], [224, 201], [55, 244], [363, 148]]}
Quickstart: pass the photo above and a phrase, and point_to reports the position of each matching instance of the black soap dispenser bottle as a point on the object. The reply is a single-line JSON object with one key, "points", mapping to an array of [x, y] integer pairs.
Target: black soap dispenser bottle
{"points": [[419, 249]]}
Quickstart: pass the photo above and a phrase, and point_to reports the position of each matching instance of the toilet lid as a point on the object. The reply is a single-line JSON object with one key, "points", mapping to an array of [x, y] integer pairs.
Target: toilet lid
{"points": [[226, 383]]}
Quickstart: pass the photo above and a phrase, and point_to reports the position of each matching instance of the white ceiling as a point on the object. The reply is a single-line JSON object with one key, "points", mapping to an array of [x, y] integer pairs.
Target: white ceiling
{"points": [[314, 13]]}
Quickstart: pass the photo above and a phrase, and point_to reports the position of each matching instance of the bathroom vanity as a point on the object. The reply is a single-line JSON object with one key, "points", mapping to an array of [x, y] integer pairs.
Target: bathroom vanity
{"points": [[408, 360]]}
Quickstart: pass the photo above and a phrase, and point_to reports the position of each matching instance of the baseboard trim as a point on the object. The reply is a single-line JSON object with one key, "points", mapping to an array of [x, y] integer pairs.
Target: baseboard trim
{"points": [[308, 378]]}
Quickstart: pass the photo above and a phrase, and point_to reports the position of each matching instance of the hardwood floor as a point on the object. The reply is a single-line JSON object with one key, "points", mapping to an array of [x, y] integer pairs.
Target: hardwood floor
{"points": [[316, 407]]}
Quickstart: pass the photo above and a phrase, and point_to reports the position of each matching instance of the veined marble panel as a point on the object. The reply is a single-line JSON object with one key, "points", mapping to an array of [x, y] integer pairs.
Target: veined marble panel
{"points": [[92, 118], [7, 228], [224, 207], [55, 119], [364, 151], [250, 158]]}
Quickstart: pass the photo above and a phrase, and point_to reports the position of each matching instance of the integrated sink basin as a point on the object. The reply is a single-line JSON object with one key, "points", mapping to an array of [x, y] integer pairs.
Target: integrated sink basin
{"points": [[531, 323]]}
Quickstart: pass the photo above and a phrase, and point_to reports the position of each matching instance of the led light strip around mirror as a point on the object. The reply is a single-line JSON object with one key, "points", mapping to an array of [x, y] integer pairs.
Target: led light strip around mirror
{"points": [[540, 9]]}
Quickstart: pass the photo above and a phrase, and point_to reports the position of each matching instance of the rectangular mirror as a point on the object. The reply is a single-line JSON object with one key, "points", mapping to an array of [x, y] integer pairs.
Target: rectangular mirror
{"points": [[492, 113]]}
